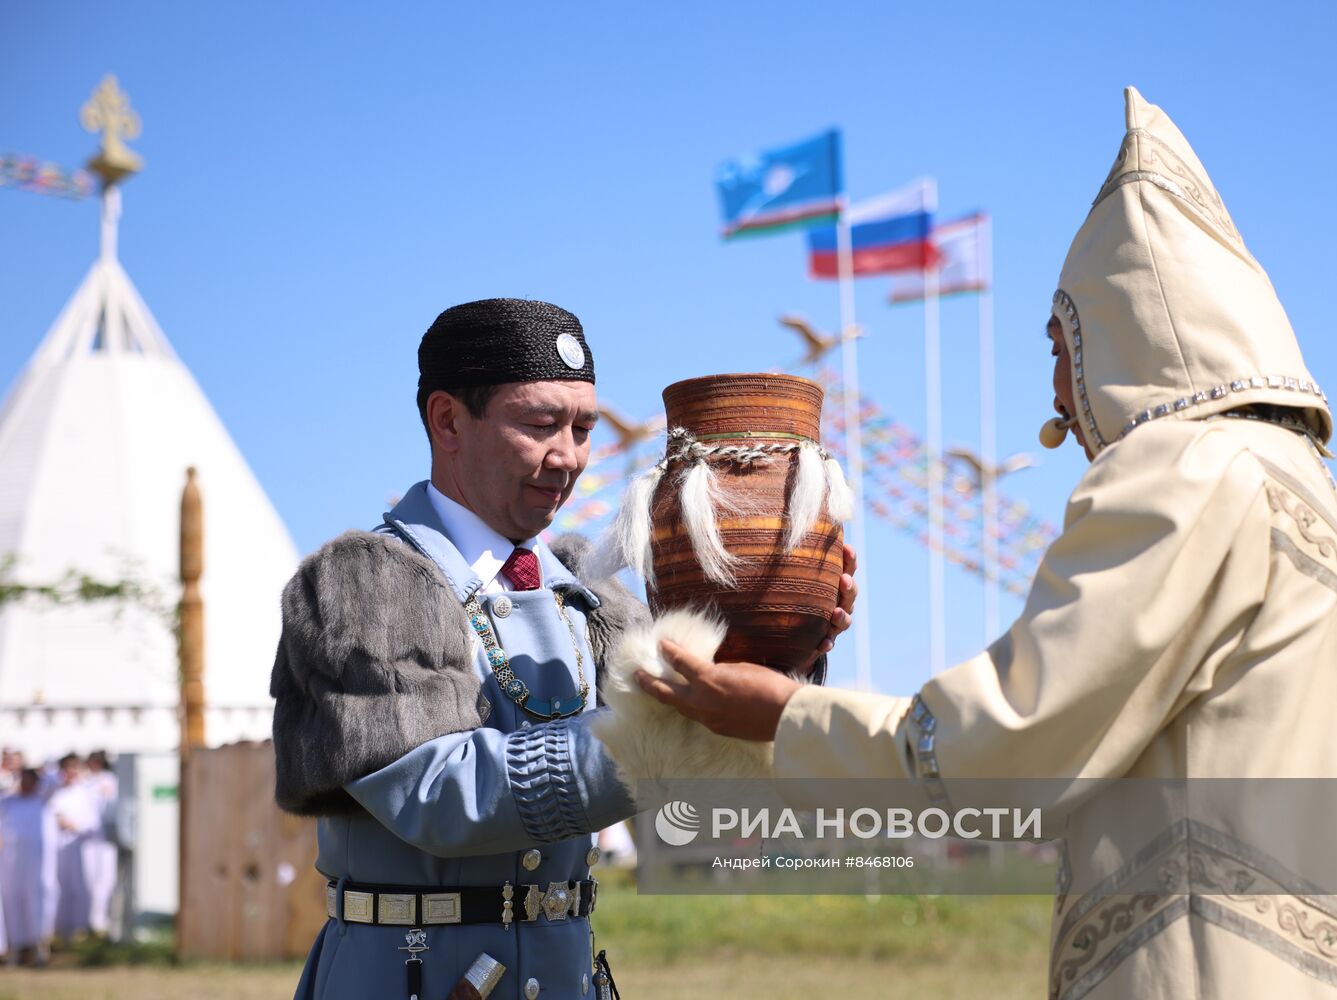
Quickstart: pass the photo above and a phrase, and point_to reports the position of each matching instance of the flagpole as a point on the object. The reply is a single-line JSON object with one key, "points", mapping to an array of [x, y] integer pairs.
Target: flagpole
{"points": [[988, 453], [988, 434], [854, 444], [933, 394]]}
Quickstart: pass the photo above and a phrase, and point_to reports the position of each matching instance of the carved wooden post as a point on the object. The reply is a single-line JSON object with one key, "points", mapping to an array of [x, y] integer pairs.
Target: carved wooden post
{"points": [[192, 615], [191, 651]]}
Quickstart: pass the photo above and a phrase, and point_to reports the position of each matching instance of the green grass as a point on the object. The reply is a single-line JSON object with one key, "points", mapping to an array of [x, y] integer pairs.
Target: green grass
{"points": [[665, 928], [157, 950], [676, 948]]}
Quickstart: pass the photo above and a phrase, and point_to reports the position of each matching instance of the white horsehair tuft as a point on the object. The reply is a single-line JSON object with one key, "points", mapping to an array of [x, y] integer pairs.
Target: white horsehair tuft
{"points": [[839, 496], [627, 542], [699, 497], [805, 499]]}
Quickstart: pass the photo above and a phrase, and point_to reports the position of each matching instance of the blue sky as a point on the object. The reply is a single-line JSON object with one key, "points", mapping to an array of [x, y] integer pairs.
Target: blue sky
{"points": [[322, 179]]}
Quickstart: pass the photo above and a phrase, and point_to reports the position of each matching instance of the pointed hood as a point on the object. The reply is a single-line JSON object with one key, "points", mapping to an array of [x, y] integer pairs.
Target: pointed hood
{"points": [[1165, 311]]}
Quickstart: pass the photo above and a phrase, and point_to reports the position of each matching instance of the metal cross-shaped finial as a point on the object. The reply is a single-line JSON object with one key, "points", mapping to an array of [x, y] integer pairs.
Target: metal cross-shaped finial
{"points": [[108, 111]]}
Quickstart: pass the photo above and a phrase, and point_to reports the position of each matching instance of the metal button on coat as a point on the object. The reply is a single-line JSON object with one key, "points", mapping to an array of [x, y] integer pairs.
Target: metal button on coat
{"points": [[501, 606], [531, 859], [593, 857], [531, 989], [585, 983]]}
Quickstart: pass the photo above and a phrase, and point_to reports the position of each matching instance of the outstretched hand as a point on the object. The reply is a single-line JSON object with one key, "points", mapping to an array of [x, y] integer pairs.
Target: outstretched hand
{"points": [[744, 700], [841, 617]]}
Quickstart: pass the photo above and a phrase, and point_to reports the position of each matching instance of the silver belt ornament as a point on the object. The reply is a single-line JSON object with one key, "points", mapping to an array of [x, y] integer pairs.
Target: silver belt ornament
{"points": [[394, 907], [417, 944], [479, 980], [604, 987], [557, 902]]}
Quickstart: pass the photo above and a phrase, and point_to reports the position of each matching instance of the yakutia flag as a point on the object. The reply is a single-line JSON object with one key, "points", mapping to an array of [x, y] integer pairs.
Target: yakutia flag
{"points": [[784, 188], [887, 234], [962, 247]]}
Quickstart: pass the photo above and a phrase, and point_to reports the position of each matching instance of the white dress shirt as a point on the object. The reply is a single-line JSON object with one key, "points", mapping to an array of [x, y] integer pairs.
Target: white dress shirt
{"points": [[483, 549]]}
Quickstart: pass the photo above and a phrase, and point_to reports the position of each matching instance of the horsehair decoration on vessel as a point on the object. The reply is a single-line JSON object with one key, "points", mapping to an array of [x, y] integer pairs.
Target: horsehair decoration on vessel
{"points": [[818, 478]]}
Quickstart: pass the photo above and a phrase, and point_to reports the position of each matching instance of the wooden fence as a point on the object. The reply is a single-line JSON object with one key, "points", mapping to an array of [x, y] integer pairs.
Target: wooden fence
{"points": [[250, 890]]}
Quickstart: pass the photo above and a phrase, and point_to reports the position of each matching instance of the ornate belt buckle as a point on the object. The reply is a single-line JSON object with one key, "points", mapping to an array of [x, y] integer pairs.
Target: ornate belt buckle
{"points": [[331, 901], [594, 896], [557, 900], [441, 908], [398, 908], [533, 903], [359, 907]]}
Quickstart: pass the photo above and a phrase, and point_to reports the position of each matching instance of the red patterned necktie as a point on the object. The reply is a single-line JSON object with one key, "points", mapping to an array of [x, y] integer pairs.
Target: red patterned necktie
{"points": [[522, 569]]}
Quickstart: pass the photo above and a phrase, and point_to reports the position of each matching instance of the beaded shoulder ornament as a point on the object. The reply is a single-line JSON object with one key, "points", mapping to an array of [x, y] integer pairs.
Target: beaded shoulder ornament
{"points": [[512, 686]]}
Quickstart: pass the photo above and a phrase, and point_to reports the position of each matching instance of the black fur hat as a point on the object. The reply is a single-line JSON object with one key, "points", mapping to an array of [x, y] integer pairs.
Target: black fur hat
{"points": [[493, 341]]}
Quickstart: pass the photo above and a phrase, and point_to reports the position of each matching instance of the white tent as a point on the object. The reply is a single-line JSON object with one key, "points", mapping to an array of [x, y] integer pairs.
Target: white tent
{"points": [[95, 439]]}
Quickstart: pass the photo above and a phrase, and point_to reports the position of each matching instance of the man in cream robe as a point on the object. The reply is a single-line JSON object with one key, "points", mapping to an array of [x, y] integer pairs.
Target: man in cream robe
{"points": [[1183, 626]]}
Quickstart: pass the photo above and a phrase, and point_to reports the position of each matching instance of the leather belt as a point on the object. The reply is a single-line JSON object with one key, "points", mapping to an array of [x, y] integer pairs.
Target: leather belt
{"points": [[409, 906]]}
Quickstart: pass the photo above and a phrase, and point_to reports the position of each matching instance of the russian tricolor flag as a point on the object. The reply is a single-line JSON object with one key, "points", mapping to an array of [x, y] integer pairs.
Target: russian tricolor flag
{"points": [[887, 234], [964, 261]]}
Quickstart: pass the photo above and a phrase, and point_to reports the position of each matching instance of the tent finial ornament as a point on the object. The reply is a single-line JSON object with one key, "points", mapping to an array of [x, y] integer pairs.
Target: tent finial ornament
{"points": [[108, 111]]}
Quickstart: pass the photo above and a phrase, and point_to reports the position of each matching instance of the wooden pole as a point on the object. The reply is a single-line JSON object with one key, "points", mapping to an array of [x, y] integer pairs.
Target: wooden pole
{"points": [[191, 651], [192, 615]]}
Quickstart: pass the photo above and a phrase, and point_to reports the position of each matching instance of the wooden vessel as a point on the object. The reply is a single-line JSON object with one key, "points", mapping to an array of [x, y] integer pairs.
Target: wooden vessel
{"points": [[779, 609]]}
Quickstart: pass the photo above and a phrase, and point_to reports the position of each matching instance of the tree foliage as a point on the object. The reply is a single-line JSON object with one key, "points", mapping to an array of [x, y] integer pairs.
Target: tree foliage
{"points": [[78, 588]]}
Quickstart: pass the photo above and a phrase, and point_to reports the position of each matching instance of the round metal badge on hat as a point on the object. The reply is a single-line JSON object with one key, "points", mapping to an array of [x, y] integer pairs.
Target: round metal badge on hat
{"points": [[571, 352]]}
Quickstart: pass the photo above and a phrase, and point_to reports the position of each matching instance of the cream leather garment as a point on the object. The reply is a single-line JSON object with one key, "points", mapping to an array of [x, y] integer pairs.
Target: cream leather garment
{"points": [[1184, 625]]}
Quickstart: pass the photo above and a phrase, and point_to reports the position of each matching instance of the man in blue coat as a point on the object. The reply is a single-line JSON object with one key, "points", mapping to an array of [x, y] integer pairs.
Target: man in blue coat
{"points": [[434, 681]]}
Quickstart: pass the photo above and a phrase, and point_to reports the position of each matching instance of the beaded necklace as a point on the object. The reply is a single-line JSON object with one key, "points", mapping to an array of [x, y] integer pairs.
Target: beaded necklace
{"points": [[513, 687]]}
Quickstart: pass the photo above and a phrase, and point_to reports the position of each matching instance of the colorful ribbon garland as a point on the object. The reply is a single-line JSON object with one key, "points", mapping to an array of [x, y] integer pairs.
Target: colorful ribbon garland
{"points": [[27, 173], [896, 481]]}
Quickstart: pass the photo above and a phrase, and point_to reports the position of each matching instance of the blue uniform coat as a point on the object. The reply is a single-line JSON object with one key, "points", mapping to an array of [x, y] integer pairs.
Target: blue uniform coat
{"points": [[464, 807]]}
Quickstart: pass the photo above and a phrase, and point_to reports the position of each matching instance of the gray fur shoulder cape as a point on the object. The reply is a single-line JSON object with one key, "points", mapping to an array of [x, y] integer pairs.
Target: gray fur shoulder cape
{"points": [[375, 659]]}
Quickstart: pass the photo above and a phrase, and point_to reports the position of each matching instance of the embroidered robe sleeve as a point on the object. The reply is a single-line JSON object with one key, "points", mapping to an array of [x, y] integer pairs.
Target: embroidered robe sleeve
{"points": [[1161, 565]]}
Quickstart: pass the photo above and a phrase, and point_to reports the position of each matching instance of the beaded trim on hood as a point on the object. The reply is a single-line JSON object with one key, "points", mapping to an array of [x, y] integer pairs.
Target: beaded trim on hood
{"points": [[1288, 382], [1062, 300], [1217, 392]]}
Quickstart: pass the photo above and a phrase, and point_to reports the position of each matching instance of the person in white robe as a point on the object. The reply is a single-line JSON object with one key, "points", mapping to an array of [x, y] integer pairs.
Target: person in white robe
{"points": [[27, 868], [76, 814], [10, 766], [100, 852], [4, 936], [1183, 626]]}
